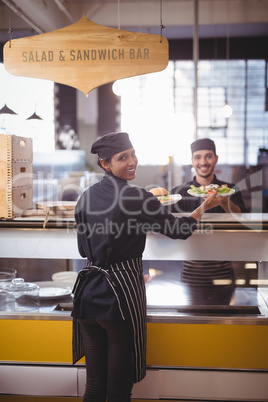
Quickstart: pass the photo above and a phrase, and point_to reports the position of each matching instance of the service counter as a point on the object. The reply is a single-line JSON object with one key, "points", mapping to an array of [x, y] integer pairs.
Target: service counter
{"points": [[203, 344]]}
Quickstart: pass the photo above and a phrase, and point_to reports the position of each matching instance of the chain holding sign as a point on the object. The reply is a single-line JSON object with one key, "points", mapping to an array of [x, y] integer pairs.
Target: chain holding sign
{"points": [[85, 55]]}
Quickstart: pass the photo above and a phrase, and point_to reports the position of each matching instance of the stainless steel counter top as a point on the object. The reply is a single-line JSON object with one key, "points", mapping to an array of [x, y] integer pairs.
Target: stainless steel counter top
{"points": [[172, 303]]}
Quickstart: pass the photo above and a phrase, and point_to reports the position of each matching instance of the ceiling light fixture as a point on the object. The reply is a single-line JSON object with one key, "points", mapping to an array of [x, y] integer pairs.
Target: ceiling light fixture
{"points": [[34, 116], [6, 110], [227, 110]]}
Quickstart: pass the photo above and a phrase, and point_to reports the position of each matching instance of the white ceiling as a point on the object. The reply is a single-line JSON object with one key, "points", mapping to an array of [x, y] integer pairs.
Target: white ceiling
{"points": [[240, 17]]}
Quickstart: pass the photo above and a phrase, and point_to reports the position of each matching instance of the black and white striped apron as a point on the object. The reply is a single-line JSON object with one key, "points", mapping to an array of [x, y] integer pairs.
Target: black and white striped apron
{"points": [[126, 280]]}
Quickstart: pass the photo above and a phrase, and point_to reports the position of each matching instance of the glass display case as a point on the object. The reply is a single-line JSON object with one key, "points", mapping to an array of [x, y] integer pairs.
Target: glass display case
{"points": [[207, 328]]}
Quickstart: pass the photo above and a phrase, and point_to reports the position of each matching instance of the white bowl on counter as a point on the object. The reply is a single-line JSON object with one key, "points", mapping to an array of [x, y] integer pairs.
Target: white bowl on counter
{"points": [[68, 277]]}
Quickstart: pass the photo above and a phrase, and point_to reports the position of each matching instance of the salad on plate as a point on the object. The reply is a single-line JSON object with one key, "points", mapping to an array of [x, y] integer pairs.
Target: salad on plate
{"points": [[205, 191]]}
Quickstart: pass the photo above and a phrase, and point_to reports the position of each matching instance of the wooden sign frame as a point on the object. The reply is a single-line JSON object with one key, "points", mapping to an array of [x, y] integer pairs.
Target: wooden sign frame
{"points": [[85, 55]]}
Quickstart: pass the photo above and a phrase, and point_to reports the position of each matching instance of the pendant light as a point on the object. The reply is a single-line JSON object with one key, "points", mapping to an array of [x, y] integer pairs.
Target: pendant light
{"points": [[227, 110], [34, 116], [6, 110]]}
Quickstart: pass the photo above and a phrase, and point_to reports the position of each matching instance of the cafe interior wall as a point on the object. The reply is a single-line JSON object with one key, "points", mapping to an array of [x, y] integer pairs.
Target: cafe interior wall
{"points": [[99, 112]]}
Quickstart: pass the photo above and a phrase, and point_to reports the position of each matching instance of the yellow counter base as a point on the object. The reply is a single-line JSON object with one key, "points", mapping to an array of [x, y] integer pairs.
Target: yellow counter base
{"points": [[169, 344]]}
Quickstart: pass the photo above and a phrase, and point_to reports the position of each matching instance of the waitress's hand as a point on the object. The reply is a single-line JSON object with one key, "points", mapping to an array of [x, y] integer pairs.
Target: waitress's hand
{"points": [[209, 202], [214, 200]]}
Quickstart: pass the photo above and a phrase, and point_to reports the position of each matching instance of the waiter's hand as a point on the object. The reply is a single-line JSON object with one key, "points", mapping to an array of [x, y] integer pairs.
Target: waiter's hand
{"points": [[228, 206], [224, 202]]}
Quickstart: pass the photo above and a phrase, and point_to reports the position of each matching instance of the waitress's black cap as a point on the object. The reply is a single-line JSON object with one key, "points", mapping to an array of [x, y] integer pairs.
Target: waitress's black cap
{"points": [[203, 143], [111, 144]]}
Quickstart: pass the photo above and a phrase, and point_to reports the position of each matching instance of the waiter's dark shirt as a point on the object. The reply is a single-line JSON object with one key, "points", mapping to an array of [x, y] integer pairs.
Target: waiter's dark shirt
{"points": [[114, 217], [189, 203]]}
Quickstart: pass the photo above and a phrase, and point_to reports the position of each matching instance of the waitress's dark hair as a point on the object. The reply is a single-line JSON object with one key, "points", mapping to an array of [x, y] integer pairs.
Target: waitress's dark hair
{"points": [[99, 162]]}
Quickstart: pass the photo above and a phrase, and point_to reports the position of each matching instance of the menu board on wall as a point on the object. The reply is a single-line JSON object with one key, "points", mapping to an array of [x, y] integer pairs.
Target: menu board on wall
{"points": [[85, 55]]}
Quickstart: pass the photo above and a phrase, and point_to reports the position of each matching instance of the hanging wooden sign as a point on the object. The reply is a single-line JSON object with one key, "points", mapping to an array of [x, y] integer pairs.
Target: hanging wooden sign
{"points": [[85, 55]]}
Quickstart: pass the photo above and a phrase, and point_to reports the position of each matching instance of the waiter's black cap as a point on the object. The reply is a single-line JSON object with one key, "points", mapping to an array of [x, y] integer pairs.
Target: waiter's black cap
{"points": [[111, 144], [203, 143]]}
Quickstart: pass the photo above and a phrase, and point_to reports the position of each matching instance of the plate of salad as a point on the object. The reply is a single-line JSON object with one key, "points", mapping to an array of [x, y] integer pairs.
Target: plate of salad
{"points": [[205, 191]]}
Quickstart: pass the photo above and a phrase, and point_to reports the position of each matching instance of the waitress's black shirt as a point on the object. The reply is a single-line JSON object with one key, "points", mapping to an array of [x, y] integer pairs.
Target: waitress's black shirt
{"points": [[114, 217], [188, 203]]}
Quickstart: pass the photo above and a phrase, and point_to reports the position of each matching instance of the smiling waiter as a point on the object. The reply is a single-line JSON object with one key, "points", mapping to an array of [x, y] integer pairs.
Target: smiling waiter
{"points": [[204, 160], [109, 310]]}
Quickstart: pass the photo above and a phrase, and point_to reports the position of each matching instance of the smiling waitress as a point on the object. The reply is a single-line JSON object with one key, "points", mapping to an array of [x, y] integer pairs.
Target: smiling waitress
{"points": [[109, 310]]}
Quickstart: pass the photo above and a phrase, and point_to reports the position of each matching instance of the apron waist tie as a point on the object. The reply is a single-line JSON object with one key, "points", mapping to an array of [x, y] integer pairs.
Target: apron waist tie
{"points": [[84, 275]]}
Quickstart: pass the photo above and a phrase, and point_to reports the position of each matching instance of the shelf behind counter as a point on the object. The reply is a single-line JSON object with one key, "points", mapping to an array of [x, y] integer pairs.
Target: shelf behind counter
{"points": [[245, 221], [218, 236]]}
